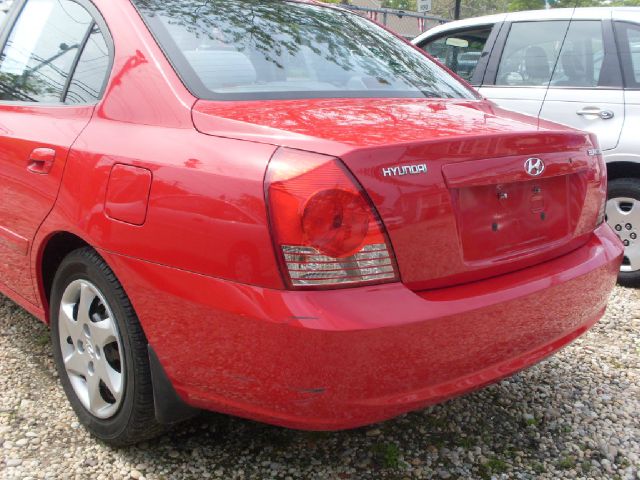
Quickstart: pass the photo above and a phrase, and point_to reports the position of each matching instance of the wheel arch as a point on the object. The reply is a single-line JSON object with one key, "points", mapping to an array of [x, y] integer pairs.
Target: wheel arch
{"points": [[50, 254], [623, 169]]}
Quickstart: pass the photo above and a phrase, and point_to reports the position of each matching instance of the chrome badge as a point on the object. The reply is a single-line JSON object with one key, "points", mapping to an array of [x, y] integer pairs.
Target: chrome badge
{"points": [[401, 170], [534, 167], [594, 152]]}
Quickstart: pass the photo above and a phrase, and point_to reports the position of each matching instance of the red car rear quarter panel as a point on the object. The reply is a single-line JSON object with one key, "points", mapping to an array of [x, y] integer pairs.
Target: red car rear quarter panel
{"points": [[206, 210]]}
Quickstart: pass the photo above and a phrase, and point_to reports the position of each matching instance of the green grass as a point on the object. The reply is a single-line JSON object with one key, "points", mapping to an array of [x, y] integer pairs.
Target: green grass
{"points": [[538, 468], [493, 466], [386, 455], [567, 463]]}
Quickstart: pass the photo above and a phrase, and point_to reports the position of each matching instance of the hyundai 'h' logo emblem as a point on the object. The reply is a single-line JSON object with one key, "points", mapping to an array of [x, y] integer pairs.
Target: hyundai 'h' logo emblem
{"points": [[534, 167]]}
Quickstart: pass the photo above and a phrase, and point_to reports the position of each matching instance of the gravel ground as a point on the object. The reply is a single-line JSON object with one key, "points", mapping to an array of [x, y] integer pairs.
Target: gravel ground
{"points": [[576, 415]]}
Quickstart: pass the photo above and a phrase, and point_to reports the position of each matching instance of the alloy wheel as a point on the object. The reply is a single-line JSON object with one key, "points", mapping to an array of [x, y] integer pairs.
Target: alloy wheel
{"points": [[623, 215], [91, 348]]}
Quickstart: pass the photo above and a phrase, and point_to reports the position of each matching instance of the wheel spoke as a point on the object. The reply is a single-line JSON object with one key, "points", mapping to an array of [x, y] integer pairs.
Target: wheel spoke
{"points": [[634, 214], [87, 295], [76, 363], [96, 402], [617, 216], [633, 255], [111, 378], [68, 326], [103, 332]]}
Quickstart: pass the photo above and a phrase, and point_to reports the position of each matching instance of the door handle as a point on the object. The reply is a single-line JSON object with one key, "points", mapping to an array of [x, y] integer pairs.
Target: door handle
{"points": [[41, 160], [596, 111]]}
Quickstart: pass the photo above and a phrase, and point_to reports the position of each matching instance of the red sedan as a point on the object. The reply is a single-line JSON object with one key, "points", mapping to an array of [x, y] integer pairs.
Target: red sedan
{"points": [[279, 210]]}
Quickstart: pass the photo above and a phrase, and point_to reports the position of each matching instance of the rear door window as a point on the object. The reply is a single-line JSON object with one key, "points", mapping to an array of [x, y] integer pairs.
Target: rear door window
{"points": [[530, 53], [460, 50], [41, 49], [581, 57], [629, 50], [90, 73]]}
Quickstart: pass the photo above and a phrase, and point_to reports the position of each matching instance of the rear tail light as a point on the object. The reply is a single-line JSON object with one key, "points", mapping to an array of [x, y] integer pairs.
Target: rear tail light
{"points": [[326, 232], [602, 176], [602, 213]]}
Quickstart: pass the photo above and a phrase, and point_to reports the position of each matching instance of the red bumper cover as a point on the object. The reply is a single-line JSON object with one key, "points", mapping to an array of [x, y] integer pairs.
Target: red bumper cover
{"points": [[344, 358]]}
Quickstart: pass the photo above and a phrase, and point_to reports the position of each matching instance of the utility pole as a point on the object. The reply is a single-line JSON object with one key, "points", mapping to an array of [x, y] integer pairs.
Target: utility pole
{"points": [[456, 14]]}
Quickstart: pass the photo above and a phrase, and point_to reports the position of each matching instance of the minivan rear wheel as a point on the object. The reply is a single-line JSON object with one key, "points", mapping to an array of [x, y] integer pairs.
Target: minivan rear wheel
{"points": [[100, 351], [623, 215]]}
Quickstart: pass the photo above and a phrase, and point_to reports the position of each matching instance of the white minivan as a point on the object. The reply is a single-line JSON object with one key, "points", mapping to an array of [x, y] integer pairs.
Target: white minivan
{"points": [[579, 67]]}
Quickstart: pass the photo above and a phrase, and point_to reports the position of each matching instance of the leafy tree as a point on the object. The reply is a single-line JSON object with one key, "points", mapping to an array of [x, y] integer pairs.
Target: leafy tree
{"points": [[469, 8], [400, 4], [517, 5]]}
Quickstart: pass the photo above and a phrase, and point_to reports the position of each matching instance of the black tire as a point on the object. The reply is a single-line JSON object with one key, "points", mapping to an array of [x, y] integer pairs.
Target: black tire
{"points": [[626, 188], [134, 421]]}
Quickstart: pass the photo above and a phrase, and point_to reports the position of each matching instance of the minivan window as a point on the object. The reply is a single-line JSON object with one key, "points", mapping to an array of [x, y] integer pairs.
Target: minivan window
{"points": [[633, 34], [629, 47], [581, 56], [256, 49], [460, 50], [39, 54], [530, 53]]}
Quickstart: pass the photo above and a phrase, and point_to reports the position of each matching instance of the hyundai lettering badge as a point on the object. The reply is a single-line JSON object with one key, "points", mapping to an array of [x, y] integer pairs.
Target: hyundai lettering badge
{"points": [[401, 170]]}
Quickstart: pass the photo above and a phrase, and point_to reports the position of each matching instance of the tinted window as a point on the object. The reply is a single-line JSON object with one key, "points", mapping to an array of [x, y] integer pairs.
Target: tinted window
{"points": [[629, 46], [91, 71], [241, 49], [530, 53], [581, 56], [40, 51], [460, 51]]}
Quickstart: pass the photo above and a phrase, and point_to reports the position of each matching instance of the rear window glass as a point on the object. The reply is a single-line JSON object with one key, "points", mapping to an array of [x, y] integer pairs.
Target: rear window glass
{"points": [[250, 49], [629, 48], [530, 53]]}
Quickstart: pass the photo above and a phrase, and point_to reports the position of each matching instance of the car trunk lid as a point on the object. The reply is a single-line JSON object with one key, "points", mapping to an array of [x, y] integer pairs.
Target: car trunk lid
{"points": [[447, 177], [477, 212]]}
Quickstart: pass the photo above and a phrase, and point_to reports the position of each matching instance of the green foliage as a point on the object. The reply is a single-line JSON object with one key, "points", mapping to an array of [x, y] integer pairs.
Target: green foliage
{"points": [[386, 455], [400, 4], [494, 466], [395, 4], [518, 5], [21, 87], [567, 462], [475, 8]]}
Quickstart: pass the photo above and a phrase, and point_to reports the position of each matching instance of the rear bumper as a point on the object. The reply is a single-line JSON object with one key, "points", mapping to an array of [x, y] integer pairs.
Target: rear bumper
{"points": [[344, 358]]}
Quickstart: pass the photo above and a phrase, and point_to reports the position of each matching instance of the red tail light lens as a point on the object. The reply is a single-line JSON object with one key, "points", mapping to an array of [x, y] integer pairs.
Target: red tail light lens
{"points": [[601, 175], [326, 232]]}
